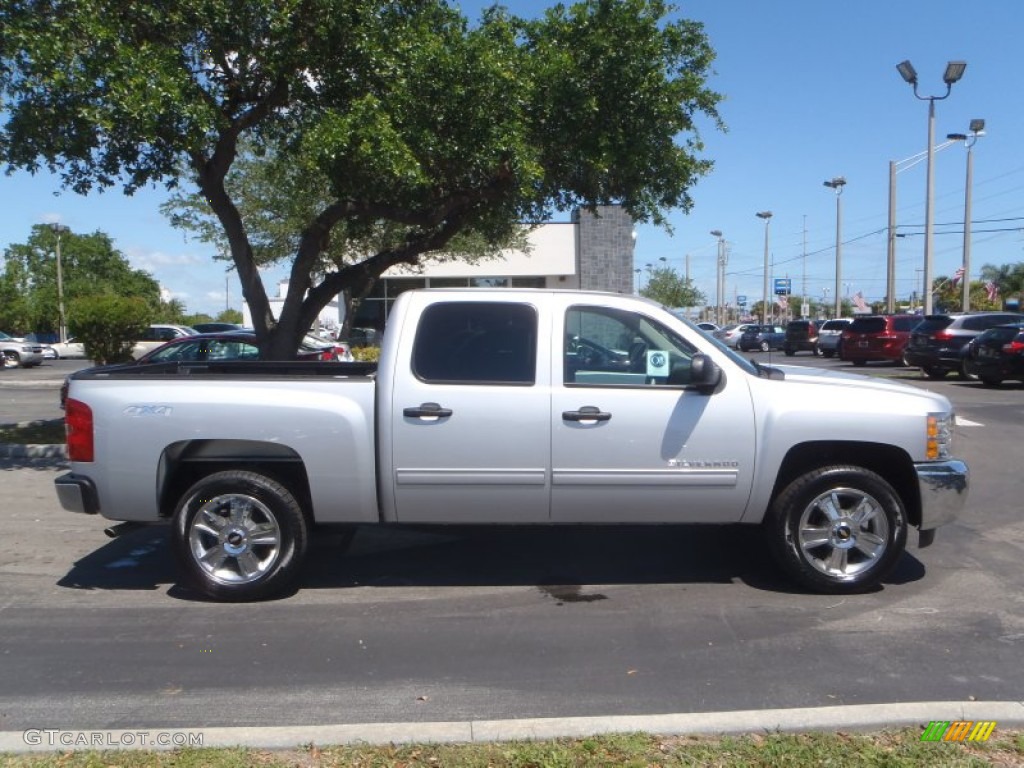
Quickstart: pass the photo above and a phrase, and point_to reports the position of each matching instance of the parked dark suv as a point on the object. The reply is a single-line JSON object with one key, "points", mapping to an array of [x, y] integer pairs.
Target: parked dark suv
{"points": [[801, 336], [936, 343], [996, 355], [877, 337]]}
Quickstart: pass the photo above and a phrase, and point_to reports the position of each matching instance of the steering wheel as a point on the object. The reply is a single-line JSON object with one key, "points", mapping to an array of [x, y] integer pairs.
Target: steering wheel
{"points": [[589, 354]]}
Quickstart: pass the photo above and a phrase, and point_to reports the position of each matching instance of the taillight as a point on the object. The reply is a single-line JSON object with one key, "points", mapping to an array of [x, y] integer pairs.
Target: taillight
{"points": [[942, 336], [327, 354], [1014, 347], [78, 427]]}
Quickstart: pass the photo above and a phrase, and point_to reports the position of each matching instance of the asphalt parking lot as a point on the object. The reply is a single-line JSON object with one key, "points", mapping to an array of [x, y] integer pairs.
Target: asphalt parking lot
{"points": [[440, 626], [31, 394]]}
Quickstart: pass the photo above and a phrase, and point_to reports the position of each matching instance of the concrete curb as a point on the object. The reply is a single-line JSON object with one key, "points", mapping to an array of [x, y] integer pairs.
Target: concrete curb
{"points": [[32, 451], [37, 451], [32, 384], [865, 717]]}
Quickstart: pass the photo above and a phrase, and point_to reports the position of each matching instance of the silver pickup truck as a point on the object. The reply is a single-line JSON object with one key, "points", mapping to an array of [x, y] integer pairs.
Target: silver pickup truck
{"points": [[513, 406]]}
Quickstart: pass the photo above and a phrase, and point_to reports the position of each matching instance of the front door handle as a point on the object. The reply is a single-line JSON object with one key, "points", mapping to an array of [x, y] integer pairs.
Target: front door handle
{"points": [[427, 411], [586, 413]]}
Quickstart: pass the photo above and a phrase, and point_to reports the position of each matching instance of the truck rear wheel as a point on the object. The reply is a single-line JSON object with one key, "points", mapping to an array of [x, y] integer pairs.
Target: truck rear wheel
{"points": [[837, 529], [239, 536]]}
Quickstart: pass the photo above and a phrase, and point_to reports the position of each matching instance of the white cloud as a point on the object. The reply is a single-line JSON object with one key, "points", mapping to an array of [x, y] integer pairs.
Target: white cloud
{"points": [[155, 261]]}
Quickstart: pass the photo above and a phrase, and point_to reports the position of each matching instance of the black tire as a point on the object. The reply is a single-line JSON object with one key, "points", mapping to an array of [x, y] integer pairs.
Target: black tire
{"points": [[216, 525], [11, 360], [991, 381], [859, 363], [789, 352], [815, 351], [837, 529], [964, 375], [933, 373], [828, 352]]}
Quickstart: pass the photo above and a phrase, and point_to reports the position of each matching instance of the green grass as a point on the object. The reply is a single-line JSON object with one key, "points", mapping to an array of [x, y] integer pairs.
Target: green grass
{"points": [[889, 749], [35, 432]]}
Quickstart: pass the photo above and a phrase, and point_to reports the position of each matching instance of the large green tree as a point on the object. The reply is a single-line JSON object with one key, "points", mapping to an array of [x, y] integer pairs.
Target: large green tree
{"points": [[423, 125], [91, 266]]}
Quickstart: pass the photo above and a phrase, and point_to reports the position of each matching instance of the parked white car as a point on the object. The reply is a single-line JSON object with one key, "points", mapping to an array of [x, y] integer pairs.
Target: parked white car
{"points": [[68, 350], [19, 352], [159, 334]]}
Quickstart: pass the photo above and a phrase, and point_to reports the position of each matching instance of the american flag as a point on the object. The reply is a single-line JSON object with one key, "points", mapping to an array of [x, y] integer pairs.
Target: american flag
{"points": [[958, 275], [992, 289], [859, 303]]}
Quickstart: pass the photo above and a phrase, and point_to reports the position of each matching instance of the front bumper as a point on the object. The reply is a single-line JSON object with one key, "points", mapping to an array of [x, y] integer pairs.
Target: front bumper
{"points": [[943, 487]]}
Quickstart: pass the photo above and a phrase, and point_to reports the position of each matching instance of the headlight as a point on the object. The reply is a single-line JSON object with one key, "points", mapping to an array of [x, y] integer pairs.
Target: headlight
{"points": [[940, 436]]}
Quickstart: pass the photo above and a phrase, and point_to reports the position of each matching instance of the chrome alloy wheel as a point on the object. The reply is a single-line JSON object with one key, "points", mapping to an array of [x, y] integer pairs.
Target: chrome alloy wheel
{"points": [[234, 539], [843, 532]]}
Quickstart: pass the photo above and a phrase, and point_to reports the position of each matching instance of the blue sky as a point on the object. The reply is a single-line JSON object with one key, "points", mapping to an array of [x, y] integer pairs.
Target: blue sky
{"points": [[812, 92]]}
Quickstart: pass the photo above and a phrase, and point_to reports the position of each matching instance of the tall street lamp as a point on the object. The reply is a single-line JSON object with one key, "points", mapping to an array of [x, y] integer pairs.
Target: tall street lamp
{"points": [[898, 166], [62, 325], [766, 215], [977, 128], [954, 71], [837, 184], [719, 275]]}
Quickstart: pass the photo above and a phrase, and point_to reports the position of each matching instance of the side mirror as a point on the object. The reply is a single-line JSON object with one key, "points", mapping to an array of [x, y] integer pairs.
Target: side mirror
{"points": [[700, 373]]}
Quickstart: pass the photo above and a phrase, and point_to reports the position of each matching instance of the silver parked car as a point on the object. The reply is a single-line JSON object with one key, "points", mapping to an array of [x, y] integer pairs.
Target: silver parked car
{"points": [[730, 334], [19, 352], [830, 335]]}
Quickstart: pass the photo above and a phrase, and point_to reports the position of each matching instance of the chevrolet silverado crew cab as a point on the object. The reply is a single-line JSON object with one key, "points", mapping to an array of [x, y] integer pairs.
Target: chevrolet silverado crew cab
{"points": [[512, 406]]}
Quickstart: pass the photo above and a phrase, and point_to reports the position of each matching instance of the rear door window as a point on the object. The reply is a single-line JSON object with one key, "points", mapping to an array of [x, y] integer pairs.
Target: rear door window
{"points": [[476, 342]]}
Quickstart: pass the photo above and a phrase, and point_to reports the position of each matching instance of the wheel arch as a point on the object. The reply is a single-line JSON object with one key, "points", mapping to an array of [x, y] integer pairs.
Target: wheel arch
{"points": [[889, 462], [184, 463]]}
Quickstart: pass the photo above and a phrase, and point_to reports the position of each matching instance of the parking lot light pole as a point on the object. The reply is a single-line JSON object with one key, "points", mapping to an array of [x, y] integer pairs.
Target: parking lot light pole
{"points": [[767, 216], [719, 275], [62, 325], [977, 128], [954, 71], [837, 184]]}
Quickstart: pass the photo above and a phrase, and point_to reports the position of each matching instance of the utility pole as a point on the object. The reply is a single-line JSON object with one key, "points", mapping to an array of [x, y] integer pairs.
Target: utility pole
{"points": [[62, 325]]}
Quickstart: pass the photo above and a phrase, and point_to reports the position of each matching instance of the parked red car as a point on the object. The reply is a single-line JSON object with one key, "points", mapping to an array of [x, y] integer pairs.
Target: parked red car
{"points": [[877, 337]]}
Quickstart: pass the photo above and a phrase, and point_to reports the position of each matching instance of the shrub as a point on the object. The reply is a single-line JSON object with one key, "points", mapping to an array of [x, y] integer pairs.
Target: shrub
{"points": [[108, 326]]}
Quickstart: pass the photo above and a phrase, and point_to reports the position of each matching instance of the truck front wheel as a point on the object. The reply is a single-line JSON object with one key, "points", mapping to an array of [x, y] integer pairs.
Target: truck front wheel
{"points": [[838, 529], [239, 536]]}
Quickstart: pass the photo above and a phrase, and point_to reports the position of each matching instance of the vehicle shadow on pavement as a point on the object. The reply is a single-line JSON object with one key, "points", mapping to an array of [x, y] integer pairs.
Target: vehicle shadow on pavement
{"points": [[557, 559], [558, 562], [140, 560]]}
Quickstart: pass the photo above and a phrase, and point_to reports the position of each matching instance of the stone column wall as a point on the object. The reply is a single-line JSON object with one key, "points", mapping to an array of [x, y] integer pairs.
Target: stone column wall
{"points": [[604, 255]]}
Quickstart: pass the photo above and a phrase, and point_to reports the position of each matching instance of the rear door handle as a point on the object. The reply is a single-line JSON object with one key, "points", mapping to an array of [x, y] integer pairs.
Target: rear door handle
{"points": [[427, 411], [586, 413]]}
